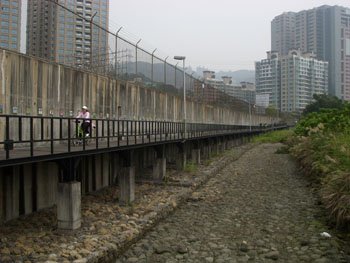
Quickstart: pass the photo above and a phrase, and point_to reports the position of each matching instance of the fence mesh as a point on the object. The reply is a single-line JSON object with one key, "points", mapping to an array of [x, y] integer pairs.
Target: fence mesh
{"points": [[85, 40]]}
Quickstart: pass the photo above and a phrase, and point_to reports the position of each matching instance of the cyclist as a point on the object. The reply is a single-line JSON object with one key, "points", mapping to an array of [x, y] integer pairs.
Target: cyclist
{"points": [[86, 122]]}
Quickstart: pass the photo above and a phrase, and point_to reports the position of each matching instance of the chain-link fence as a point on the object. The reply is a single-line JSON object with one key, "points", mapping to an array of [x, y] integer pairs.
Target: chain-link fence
{"points": [[86, 40]]}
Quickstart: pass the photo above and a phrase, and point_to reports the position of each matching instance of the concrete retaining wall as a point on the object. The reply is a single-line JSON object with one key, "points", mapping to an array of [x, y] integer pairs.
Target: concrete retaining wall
{"points": [[31, 86]]}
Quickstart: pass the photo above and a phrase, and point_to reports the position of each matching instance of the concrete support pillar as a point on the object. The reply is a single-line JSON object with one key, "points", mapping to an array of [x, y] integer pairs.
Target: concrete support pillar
{"points": [[2, 197], [239, 140], [90, 173], [127, 185], [98, 171], [205, 151], [210, 150], [181, 157], [115, 168], [47, 179], [215, 147], [69, 205], [159, 169], [28, 189], [105, 170], [12, 194], [159, 164], [196, 156]]}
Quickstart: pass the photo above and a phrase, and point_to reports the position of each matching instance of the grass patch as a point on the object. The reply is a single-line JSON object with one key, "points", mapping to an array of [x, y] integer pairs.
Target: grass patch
{"points": [[283, 150], [208, 162], [325, 158], [190, 167], [274, 137]]}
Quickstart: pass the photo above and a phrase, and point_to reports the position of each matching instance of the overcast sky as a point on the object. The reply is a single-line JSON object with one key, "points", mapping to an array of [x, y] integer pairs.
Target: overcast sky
{"points": [[218, 35]]}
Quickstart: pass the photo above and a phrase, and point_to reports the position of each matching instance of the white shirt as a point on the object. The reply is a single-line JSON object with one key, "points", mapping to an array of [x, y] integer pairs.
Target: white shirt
{"points": [[85, 115]]}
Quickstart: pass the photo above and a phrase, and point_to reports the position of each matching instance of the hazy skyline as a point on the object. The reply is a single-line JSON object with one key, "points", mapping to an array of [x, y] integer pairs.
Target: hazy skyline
{"points": [[218, 35]]}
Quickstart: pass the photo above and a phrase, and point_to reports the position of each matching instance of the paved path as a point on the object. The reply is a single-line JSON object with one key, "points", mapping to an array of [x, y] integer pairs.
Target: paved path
{"points": [[258, 209]]}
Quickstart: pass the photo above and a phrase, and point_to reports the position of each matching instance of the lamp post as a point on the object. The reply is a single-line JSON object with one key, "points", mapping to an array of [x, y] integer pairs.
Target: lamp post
{"points": [[183, 58]]}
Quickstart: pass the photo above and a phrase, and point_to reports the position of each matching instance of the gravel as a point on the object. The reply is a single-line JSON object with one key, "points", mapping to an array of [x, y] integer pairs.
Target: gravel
{"points": [[257, 209]]}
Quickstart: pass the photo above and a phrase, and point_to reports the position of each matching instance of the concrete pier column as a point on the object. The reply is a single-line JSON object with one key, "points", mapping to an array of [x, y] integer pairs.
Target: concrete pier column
{"points": [[69, 205], [210, 149], [196, 156], [12, 194], [159, 164], [205, 151], [159, 169], [215, 147], [2, 198], [181, 157], [127, 185], [28, 189]]}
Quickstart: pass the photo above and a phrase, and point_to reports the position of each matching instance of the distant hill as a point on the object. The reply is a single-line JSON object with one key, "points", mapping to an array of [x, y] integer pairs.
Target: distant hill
{"points": [[237, 76]]}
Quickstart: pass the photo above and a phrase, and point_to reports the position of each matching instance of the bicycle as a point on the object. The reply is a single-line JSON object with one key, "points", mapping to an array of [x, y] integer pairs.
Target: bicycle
{"points": [[80, 136]]}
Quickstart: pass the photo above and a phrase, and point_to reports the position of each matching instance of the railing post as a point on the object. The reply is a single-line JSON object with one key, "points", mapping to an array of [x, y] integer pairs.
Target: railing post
{"points": [[51, 135], [97, 133], [7, 136], [108, 133], [69, 136], [20, 128], [31, 137]]}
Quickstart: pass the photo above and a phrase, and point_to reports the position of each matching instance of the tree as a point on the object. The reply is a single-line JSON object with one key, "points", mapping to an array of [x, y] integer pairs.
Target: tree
{"points": [[271, 111], [323, 101]]}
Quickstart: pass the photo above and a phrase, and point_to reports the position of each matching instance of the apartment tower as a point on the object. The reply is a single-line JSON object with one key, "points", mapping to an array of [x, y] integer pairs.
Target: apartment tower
{"points": [[288, 82], [323, 31], [10, 24], [268, 79], [283, 33], [63, 31], [302, 75]]}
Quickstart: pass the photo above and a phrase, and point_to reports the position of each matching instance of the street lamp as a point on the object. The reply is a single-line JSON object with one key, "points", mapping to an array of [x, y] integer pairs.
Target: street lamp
{"points": [[183, 58]]}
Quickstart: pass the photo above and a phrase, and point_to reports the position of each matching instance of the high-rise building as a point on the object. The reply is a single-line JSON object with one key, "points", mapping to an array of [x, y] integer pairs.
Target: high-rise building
{"points": [[58, 34], [302, 76], [283, 33], [268, 79], [290, 81], [10, 24], [324, 31]]}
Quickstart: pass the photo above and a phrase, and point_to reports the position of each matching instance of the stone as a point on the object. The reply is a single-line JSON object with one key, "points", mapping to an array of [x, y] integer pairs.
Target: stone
{"points": [[272, 255], [244, 247], [160, 249], [181, 249], [209, 259]]}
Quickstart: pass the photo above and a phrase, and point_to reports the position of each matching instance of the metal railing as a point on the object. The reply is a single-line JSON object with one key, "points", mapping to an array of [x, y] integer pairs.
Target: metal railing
{"points": [[32, 136]]}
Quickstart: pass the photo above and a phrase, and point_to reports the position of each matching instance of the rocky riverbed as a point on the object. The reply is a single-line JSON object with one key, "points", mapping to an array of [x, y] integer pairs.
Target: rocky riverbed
{"points": [[257, 209]]}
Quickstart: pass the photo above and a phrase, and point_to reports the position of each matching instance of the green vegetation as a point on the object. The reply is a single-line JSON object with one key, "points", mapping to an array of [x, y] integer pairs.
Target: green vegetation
{"points": [[323, 101], [274, 137], [190, 167], [321, 144]]}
